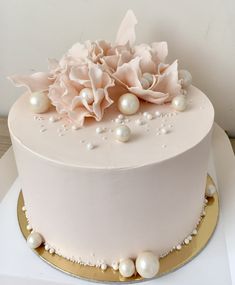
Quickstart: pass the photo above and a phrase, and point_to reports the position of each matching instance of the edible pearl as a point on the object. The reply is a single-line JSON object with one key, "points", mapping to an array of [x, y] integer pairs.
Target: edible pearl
{"points": [[158, 114], [210, 190], [185, 77], [34, 240], [147, 264], [149, 77], [90, 146], [87, 94], [115, 265], [51, 250], [104, 266], [127, 267], [128, 104], [145, 83], [99, 130], [29, 227], [47, 247], [122, 133], [139, 122], [149, 117], [39, 102], [164, 131], [178, 247], [194, 232], [179, 103]]}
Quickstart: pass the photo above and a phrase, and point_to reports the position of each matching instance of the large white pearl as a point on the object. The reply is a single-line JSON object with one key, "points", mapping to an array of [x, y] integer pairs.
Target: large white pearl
{"points": [[127, 267], [39, 102], [34, 240], [210, 190], [147, 264], [128, 104], [185, 77], [179, 103], [122, 133], [87, 94]]}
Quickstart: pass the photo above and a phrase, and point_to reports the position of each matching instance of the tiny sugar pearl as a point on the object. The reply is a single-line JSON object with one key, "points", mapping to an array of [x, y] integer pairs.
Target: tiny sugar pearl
{"points": [[178, 247], [90, 146], [23, 209], [158, 114], [194, 232], [118, 121], [149, 117], [115, 265], [139, 122], [145, 114], [203, 214], [75, 127], [104, 266], [186, 241], [53, 119], [29, 227], [121, 117], [190, 238], [164, 131], [47, 247], [51, 250], [99, 130]]}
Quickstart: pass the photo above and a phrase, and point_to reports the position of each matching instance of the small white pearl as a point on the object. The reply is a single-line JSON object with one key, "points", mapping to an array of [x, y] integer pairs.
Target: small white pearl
{"points": [[164, 131], [90, 146], [23, 209], [53, 119], [47, 247], [139, 122], [149, 77], [115, 265], [128, 104], [185, 77], [51, 250], [149, 117], [34, 240], [75, 127], [190, 238], [87, 95], [122, 133], [147, 264], [126, 267], [39, 102], [203, 213], [210, 190], [194, 232], [186, 241], [104, 266], [158, 114], [145, 114], [118, 121], [99, 130], [144, 82], [178, 247], [121, 117], [179, 103], [29, 227]]}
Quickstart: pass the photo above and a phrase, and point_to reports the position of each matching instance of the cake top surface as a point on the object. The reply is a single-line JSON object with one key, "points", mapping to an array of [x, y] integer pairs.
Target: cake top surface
{"points": [[167, 134]]}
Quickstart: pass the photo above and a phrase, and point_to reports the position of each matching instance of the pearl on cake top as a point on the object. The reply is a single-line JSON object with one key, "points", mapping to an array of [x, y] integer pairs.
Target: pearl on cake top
{"points": [[128, 104], [179, 103], [39, 102], [87, 95], [122, 133]]}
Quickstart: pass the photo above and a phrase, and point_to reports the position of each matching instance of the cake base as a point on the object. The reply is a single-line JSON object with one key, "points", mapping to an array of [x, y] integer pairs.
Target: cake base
{"points": [[169, 263]]}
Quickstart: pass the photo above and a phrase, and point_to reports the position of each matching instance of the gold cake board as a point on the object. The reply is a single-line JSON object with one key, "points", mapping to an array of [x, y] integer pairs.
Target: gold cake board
{"points": [[169, 263]]}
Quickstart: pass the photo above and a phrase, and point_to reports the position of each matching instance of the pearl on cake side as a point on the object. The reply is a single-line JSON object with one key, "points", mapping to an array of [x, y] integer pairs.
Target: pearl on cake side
{"points": [[128, 104], [147, 264], [34, 240], [126, 267], [122, 133], [39, 102]]}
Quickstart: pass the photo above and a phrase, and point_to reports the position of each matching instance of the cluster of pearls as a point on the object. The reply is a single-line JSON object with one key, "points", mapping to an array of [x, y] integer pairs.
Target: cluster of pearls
{"points": [[147, 265], [39, 102], [128, 104], [122, 133]]}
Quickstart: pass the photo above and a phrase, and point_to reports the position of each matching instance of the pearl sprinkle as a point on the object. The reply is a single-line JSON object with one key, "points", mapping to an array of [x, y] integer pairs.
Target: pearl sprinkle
{"points": [[147, 264]]}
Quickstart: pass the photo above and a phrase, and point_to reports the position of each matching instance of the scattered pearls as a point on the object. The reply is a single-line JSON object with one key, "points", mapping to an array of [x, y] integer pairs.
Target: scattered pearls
{"points": [[128, 104], [34, 240], [29, 227], [126, 267], [147, 264], [99, 130], [122, 133], [90, 146], [185, 78], [39, 102], [87, 95], [178, 247], [104, 266], [179, 103], [190, 238], [149, 117], [115, 265], [210, 190]]}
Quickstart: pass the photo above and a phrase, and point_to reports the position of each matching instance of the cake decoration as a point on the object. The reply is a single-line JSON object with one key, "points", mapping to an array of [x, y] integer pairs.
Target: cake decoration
{"points": [[34, 240], [80, 84], [147, 264], [122, 133]]}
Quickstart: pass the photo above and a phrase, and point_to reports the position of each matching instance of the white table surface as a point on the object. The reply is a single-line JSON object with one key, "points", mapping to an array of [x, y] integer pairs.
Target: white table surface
{"points": [[214, 265]]}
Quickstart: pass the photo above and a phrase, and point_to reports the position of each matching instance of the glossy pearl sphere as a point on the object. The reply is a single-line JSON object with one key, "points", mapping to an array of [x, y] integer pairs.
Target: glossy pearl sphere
{"points": [[34, 240], [127, 267], [210, 190], [87, 95], [39, 102], [128, 104], [185, 77], [147, 264], [149, 77], [122, 133], [179, 103]]}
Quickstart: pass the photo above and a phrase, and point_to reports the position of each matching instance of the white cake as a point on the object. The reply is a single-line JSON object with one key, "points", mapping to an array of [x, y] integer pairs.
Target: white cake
{"points": [[96, 200]]}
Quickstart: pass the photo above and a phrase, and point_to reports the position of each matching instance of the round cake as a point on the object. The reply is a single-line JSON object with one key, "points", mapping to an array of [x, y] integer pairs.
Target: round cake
{"points": [[122, 183]]}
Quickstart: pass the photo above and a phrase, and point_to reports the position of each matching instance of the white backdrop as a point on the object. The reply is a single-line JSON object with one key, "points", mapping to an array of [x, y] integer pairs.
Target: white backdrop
{"points": [[201, 34]]}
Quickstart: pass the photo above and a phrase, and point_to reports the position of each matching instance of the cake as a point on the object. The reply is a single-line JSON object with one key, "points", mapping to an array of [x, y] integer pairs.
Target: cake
{"points": [[112, 148]]}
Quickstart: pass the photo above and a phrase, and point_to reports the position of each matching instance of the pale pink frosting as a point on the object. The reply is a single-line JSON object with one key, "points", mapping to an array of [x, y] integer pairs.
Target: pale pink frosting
{"points": [[100, 65]]}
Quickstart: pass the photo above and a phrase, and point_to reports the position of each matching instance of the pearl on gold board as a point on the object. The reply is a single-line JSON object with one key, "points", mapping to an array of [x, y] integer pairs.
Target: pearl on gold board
{"points": [[34, 240], [87, 95], [210, 190], [128, 104], [185, 77], [147, 264], [126, 267], [39, 102], [122, 133], [179, 103]]}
